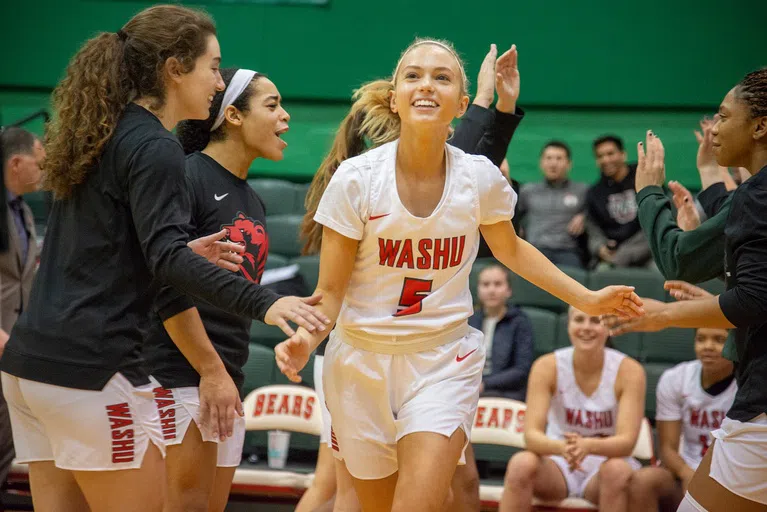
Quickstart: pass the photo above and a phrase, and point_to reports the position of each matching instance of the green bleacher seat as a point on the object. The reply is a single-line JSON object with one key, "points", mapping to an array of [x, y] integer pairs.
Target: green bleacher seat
{"points": [[266, 335], [713, 286], [544, 330], [669, 346], [274, 260], [525, 293], [260, 368], [653, 371], [279, 196], [630, 344], [283, 234], [648, 283], [309, 268], [563, 338], [301, 190]]}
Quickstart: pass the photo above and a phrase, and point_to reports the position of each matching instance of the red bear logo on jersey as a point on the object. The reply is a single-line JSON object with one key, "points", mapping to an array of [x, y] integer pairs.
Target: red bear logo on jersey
{"points": [[252, 234]]}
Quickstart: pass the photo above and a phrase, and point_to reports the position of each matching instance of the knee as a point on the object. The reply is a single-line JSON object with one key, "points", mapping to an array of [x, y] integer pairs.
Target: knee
{"points": [[615, 475], [521, 470], [468, 480]]}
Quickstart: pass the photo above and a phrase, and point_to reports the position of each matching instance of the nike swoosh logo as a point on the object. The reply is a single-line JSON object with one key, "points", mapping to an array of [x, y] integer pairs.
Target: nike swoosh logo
{"points": [[218, 197], [374, 217], [458, 358]]}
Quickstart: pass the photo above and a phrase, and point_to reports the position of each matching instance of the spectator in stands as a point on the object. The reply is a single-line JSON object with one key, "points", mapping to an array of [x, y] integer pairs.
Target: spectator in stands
{"points": [[692, 399], [508, 336], [585, 405], [23, 155], [553, 210], [615, 236]]}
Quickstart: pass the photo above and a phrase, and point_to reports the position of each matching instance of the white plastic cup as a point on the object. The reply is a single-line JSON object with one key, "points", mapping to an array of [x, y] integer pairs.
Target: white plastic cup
{"points": [[279, 441]]}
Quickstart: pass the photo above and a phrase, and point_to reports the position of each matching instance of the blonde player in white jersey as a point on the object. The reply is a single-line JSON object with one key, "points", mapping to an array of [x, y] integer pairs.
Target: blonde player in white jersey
{"points": [[585, 405], [400, 233], [693, 399]]}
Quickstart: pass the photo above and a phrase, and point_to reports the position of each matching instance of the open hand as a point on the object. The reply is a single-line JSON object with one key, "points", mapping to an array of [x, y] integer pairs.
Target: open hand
{"points": [[292, 355], [486, 79], [687, 216], [298, 310], [222, 254], [651, 167], [682, 290], [653, 319], [507, 81], [219, 402]]}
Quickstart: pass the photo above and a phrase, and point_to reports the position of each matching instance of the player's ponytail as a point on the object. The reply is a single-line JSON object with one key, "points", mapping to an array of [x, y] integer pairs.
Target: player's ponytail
{"points": [[369, 121], [107, 73]]}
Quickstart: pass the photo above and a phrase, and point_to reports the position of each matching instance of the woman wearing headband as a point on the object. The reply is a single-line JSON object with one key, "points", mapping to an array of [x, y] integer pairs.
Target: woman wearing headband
{"points": [[246, 122]]}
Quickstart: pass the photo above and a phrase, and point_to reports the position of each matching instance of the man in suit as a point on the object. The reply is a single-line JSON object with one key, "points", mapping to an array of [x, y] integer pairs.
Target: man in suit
{"points": [[23, 157]]}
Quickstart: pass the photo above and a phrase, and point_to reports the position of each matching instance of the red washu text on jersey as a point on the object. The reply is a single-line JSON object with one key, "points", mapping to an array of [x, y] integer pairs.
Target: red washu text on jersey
{"points": [[293, 405], [703, 418], [423, 254], [589, 419], [166, 405]]}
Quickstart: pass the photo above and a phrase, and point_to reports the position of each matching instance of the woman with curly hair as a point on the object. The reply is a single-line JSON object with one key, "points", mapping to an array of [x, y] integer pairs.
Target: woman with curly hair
{"points": [[79, 394]]}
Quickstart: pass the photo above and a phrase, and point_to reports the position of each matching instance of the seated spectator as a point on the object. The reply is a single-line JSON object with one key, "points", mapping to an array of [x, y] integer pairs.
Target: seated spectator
{"points": [[615, 236], [508, 336], [585, 405], [553, 210], [693, 398]]}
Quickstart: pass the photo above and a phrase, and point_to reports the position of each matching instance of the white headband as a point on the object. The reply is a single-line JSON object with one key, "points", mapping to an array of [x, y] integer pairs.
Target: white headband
{"points": [[240, 81]]}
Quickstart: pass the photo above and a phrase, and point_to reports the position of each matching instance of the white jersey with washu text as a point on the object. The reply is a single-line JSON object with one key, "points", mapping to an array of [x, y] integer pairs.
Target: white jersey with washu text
{"points": [[410, 282], [572, 411], [680, 397]]}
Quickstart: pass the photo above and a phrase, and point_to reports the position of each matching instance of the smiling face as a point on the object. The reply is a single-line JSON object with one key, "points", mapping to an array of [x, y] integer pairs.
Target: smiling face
{"points": [[586, 332], [197, 87], [265, 122], [733, 139], [429, 87], [610, 158]]}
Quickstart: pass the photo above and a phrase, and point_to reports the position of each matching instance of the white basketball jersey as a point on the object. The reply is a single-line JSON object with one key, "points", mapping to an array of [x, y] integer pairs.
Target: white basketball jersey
{"points": [[572, 411], [410, 284], [680, 397]]}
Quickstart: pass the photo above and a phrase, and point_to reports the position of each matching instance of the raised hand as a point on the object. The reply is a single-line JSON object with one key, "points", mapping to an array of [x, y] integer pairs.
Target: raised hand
{"points": [[687, 216], [298, 310], [292, 355], [651, 167], [507, 80], [486, 79], [621, 301]]}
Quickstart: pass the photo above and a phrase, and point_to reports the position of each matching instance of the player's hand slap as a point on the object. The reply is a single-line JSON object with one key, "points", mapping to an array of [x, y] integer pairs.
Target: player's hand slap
{"points": [[223, 254], [298, 310], [292, 355], [621, 301]]}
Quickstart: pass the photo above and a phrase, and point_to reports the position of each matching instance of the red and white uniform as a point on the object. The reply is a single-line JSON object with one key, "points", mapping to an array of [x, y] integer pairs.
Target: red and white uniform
{"points": [[680, 397], [596, 415], [402, 357]]}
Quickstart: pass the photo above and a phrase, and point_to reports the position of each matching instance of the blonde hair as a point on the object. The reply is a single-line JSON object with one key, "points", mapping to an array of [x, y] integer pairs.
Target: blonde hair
{"points": [[370, 120]]}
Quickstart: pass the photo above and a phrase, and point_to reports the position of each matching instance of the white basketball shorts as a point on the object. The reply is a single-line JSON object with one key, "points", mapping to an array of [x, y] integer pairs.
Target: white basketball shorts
{"points": [[376, 399], [578, 480], [325, 434], [83, 430], [739, 461], [179, 406]]}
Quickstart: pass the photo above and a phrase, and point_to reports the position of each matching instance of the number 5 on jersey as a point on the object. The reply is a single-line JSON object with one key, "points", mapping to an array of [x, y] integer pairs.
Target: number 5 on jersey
{"points": [[413, 292]]}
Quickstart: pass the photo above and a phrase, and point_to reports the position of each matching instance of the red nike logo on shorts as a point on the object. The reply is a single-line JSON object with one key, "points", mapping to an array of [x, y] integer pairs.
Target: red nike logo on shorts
{"points": [[374, 217], [458, 358]]}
